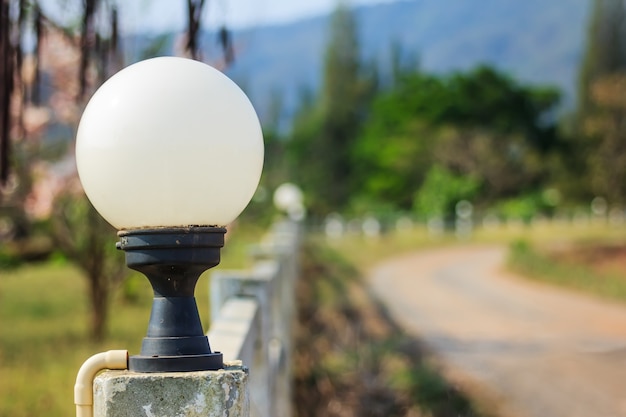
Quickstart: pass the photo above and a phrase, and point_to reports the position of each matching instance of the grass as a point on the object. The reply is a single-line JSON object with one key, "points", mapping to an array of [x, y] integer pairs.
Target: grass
{"points": [[365, 252], [531, 252], [44, 318], [534, 263]]}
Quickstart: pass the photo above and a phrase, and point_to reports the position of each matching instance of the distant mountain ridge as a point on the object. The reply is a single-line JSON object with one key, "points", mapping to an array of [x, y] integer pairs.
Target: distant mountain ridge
{"points": [[535, 41]]}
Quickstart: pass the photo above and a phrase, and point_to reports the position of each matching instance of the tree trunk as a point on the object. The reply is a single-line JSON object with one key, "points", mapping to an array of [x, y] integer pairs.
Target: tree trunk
{"points": [[6, 88], [99, 294]]}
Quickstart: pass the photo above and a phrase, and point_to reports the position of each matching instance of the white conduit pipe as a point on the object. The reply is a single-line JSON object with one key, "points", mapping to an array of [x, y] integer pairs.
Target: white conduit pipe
{"points": [[83, 390]]}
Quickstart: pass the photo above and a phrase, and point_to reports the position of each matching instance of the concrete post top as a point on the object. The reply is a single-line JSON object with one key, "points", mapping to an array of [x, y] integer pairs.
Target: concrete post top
{"points": [[180, 394]]}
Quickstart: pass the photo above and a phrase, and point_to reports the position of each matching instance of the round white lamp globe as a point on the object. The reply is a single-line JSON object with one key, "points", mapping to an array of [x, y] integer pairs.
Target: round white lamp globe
{"points": [[169, 142], [287, 196]]}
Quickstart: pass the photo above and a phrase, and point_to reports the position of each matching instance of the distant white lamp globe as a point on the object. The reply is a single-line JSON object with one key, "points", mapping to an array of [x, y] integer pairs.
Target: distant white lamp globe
{"points": [[169, 142], [287, 196]]}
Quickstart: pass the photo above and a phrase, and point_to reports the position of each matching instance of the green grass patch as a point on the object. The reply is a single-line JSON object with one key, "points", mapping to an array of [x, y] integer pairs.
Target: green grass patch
{"points": [[365, 252], [529, 261]]}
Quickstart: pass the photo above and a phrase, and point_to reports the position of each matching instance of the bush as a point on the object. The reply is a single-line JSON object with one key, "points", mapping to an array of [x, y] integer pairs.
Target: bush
{"points": [[9, 260]]}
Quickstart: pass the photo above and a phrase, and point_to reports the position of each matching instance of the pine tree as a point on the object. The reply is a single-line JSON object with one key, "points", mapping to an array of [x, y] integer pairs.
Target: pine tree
{"points": [[601, 112], [325, 131], [605, 52]]}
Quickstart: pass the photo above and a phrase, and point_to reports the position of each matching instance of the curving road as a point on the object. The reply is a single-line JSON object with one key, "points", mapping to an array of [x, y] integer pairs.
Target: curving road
{"points": [[540, 351]]}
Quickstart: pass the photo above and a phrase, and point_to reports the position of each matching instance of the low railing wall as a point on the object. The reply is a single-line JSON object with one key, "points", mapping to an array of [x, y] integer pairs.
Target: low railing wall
{"points": [[253, 312]]}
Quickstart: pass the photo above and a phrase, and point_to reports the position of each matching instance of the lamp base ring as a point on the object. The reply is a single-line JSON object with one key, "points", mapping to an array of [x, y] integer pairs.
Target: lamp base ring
{"points": [[184, 363]]}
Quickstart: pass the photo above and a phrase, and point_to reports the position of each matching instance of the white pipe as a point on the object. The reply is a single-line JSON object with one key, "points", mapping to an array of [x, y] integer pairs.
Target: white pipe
{"points": [[83, 390]]}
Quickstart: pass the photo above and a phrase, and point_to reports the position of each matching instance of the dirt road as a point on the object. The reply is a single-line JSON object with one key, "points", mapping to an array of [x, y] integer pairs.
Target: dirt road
{"points": [[540, 351]]}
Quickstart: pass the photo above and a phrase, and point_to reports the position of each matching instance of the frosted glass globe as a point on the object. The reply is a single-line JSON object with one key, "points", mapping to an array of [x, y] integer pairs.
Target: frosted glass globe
{"points": [[169, 142], [287, 196]]}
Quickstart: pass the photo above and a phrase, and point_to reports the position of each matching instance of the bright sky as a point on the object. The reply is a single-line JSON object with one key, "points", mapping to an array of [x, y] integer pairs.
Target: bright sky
{"points": [[159, 15]]}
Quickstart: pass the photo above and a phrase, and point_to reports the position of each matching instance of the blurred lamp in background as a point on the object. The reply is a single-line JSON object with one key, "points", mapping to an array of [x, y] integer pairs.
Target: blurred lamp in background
{"points": [[169, 151], [288, 198]]}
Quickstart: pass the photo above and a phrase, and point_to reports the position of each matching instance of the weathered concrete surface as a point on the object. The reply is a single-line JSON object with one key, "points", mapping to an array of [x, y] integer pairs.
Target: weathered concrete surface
{"points": [[540, 350], [177, 394]]}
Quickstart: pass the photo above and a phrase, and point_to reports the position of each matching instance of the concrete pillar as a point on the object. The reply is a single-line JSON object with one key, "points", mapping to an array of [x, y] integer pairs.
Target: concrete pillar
{"points": [[177, 394]]}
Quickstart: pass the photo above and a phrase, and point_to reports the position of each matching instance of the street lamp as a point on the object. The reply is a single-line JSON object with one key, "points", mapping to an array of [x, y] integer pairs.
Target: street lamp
{"points": [[169, 151], [288, 198]]}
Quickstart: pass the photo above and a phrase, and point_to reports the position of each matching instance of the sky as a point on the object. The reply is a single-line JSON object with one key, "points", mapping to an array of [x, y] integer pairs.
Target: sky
{"points": [[159, 15]]}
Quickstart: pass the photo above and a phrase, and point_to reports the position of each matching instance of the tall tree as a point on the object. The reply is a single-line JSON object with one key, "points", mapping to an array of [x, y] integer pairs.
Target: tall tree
{"points": [[606, 129], [605, 52], [86, 62], [7, 62], [87, 240], [325, 132], [601, 114]]}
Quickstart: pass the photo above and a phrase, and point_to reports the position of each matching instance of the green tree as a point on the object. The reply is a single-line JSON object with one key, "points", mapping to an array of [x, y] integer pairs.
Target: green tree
{"points": [[391, 164], [441, 191], [605, 51], [325, 130], [605, 128], [479, 124], [88, 241], [598, 144]]}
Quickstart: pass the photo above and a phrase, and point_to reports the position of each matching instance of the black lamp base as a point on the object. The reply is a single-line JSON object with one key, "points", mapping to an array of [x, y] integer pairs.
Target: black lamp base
{"points": [[173, 259]]}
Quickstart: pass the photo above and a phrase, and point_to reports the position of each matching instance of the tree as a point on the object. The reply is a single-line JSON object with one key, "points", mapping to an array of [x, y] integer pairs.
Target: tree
{"points": [[7, 73], [441, 191], [605, 52], [87, 240], [91, 55], [478, 124], [606, 128], [599, 143], [325, 131]]}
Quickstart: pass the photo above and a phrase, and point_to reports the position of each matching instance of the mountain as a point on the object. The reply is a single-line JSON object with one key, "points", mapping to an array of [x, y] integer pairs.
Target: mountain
{"points": [[535, 41]]}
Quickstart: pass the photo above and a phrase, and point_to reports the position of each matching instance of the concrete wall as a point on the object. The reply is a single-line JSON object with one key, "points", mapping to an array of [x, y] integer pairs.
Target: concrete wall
{"points": [[253, 313]]}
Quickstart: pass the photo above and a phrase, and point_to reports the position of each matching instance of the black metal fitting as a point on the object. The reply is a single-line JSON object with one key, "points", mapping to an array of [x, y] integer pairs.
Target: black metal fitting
{"points": [[173, 259]]}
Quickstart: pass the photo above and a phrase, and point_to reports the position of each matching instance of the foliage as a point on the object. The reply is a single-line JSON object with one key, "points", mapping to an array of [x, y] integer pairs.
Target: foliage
{"points": [[605, 127], [441, 191], [391, 166], [88, 241], [481, 97], [8, 260], [325, 130], [605, 51], [523, 207], [599, 143], [479, 125]]}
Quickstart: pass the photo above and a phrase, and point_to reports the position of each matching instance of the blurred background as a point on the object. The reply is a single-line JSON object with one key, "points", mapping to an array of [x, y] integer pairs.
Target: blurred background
{"points": [[429, 117]]}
